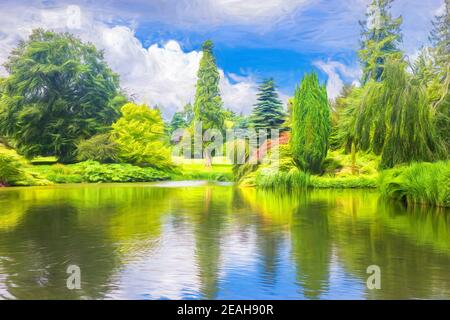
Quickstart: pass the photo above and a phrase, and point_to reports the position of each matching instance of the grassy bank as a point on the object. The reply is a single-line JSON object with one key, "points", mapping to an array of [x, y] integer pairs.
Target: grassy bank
{"points": [[94, 172], [17, 171], [418, 184]]}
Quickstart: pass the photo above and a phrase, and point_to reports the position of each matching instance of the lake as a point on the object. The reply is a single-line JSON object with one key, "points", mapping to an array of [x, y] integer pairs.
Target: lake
{"points": [[195, 240]]}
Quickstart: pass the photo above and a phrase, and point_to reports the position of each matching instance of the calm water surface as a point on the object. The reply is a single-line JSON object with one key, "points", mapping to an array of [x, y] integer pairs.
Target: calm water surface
{"points": [[173, 241]]}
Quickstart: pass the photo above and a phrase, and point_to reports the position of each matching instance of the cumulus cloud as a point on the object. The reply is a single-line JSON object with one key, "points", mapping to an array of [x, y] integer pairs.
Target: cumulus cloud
{"points": [[336, 71], [160, 75]]}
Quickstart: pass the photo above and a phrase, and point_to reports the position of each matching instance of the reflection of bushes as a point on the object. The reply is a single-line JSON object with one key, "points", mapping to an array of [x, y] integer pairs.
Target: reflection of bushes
{"points": [[420, 183]]}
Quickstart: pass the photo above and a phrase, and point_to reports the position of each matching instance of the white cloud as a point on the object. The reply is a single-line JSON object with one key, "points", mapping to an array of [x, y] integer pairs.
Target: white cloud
{"points": [[254, 11], [159, 75], [335, 70]]}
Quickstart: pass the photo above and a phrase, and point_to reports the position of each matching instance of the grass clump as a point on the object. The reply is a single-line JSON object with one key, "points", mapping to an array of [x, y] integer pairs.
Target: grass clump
{"points": [[198, 171], [419, 183]]}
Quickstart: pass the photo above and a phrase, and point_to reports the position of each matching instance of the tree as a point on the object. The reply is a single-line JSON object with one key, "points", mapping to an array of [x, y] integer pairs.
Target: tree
{"points": [[100, 147], [394, 119], [208, 103], [139, 135], [440, 38], [59, 90], [381, 36], [268, 112], [182, 119], [311, 124]]}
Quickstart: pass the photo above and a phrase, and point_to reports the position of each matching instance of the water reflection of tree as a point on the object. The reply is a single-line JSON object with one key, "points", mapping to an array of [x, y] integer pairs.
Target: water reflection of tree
{"points": [[209, 223], [46, 230], [410, 246], [39, 250], [311, 246], [306, 221]]}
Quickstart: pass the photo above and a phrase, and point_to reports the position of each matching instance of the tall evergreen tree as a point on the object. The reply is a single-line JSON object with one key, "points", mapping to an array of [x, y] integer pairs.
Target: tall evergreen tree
{"points": [[311, 124], [440, 38], [268, 112], [208, 103], [381, 36]]}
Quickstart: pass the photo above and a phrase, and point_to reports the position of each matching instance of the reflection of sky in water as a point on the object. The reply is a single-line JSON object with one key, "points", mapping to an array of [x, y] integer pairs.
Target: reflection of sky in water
{"points": [[166, 242], [170, 270]]}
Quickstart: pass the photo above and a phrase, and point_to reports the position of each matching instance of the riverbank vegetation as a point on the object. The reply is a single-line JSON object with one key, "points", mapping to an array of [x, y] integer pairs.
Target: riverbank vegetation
{"points": [[391, 131]]}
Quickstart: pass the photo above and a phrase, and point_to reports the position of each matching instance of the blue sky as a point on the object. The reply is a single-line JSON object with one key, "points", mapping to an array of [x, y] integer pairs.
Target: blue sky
{"points": [[155, 44]]}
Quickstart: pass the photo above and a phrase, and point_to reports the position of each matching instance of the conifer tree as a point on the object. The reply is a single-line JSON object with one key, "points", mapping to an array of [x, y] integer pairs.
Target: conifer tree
{"points": [[268, 112], [311, 124], [381, 36], [208, 103]]}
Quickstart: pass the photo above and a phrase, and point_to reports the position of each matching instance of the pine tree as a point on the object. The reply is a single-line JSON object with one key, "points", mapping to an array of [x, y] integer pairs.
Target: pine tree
{"points": [[440, 38], [268, 112], [381, 36], [208, 103], [311, 124]]}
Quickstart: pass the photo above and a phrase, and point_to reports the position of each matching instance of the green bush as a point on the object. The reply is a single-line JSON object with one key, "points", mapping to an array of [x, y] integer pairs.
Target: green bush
{"points": [[419, 183], [92, 171], [10, 169], [99, 148]]}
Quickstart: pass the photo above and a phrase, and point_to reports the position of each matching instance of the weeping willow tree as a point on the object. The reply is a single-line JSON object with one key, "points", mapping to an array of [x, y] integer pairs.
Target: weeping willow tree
{"points": [[311, 124], [394, 119]]}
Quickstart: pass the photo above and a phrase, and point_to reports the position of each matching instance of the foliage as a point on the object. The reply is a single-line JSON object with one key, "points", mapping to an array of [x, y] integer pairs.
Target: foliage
{"points": [[96, 172], [182, 119], [99, 148], [208, 103], [268, 112], [139, 135], [311, 124], [10, 170], [381, 38], [217, 172], [394, 119], [58, 91], [343, 133], [419, 183], [13, 170], [93, 172]]}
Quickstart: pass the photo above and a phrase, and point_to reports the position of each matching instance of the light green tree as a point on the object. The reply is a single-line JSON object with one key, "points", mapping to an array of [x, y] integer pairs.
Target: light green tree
{"points": [[311, 124], [139, 135]]}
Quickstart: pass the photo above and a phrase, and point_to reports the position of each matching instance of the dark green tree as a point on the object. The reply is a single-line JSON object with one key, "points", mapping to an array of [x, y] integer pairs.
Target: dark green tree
{"points": [[440, 38], [268, 112], [59, 90], [208, 103], [182, 119], [381, 37], [311, 124], [439, 88]]}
